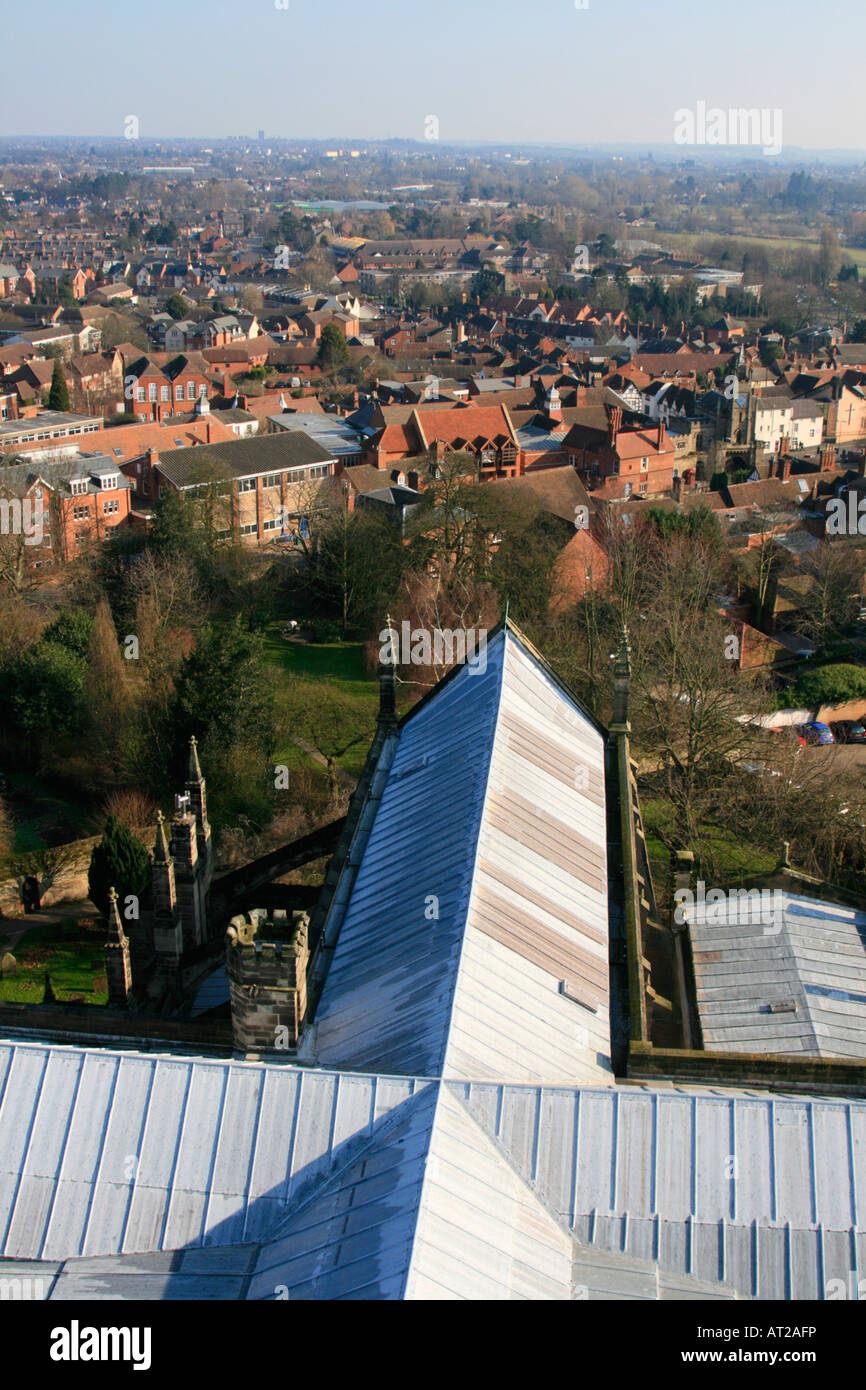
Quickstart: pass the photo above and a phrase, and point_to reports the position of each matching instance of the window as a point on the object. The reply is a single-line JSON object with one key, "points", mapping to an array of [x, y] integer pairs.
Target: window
{"points": [[77, 486], [247, 485], [178, 391], [190, 390], [644, 465], [642, 490], [273, 524], [271, 480], [80, 513], [151, 391], [164, 393], [320, 470], [139, 394], [249, 530], [110, 507], [39, 494]]}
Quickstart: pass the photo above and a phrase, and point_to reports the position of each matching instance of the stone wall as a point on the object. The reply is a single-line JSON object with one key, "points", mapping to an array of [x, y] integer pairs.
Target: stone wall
{"points": [[65, 883]]}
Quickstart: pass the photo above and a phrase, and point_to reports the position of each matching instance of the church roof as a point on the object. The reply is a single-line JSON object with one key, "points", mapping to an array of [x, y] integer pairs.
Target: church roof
{"points": [[475, 940], [455, 1130]]}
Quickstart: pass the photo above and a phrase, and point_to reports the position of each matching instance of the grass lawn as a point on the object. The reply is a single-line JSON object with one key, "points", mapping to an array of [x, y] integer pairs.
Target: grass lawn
{"points": [[71, 953], [698, 241], [340, 666], [735, 858]]}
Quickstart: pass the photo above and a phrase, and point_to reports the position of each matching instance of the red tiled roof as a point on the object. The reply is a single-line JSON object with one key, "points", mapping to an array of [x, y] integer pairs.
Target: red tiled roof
{"points": [[469, 422], [134, 440]]}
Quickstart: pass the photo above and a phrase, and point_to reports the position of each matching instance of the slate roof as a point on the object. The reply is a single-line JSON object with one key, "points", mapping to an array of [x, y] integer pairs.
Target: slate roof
{"points": [[243, 458]]}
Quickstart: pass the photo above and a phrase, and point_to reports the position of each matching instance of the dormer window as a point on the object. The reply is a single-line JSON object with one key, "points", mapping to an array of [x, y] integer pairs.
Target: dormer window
{"points": [[78, 486], [108, 481]]}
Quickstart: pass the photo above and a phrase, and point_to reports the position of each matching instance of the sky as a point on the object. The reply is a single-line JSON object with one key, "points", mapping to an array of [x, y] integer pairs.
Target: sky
{"points": [[500, 71]]}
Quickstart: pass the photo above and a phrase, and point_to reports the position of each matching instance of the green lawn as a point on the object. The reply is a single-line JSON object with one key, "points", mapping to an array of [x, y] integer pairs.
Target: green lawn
{"points": [[735, 858], [339, 666], [699, 242], [340, 662], [72, 954]]}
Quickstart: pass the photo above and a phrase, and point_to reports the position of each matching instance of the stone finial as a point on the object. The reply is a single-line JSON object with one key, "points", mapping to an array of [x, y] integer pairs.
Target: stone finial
{"points": [[160, 848], [116, 934], [194, 765], [621, 681], [387, 679]]}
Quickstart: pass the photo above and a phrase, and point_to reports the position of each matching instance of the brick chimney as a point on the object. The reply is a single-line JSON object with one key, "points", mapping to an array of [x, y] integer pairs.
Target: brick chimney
{"points": [[661, 435], [614, 423], [828, 458]]}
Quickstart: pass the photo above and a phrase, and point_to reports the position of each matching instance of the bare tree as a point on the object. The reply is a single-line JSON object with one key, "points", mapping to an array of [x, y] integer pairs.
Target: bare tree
{"points": [[831, 601]]}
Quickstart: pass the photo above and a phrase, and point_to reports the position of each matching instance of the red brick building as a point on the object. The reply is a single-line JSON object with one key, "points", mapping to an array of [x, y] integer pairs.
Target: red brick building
{"points": [[486, 432], [622, 463], [157, 393]]}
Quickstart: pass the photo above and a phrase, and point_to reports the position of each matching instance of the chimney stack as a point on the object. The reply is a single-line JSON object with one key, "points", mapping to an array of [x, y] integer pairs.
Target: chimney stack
{"points": [[613, 425], [660, 441]]}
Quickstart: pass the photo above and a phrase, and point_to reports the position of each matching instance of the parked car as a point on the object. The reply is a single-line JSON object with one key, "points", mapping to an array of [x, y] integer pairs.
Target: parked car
{"points": [[849, 731], [816, 733]]}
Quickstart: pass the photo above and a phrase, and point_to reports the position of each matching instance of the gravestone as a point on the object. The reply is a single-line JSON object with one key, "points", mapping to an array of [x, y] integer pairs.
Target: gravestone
{"points": [[8, 965]]}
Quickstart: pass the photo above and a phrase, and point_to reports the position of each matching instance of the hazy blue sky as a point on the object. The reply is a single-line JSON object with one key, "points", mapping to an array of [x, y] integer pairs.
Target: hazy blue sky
{"points": [[493, 70]]}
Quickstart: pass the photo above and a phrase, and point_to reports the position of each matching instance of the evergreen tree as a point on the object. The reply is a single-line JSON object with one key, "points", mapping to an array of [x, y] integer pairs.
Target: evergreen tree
{"points": [[58, 396], [106, 698], [119, 861], [333, 352]]}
